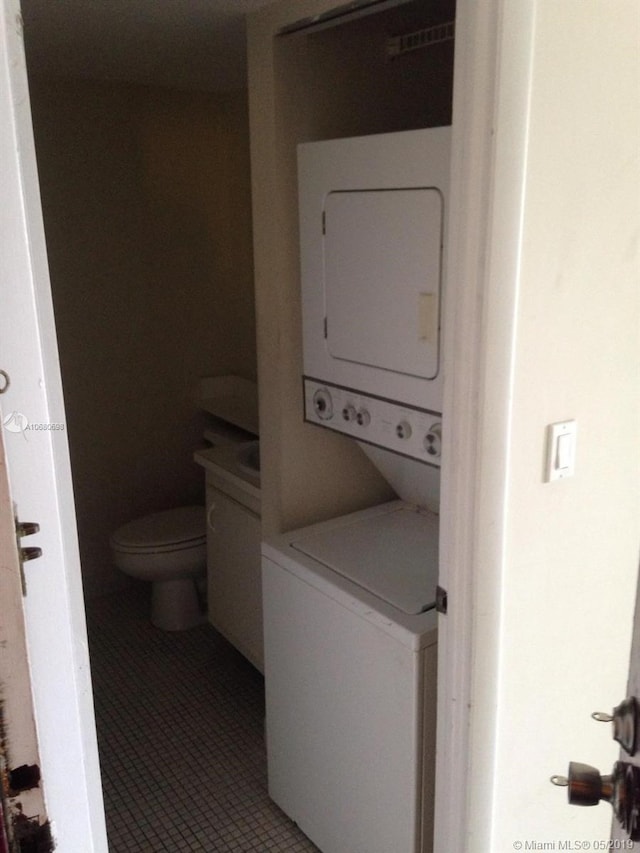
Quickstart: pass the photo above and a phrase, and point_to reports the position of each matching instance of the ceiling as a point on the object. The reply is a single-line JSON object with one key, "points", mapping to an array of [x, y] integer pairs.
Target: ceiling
{"points": [[195, 44]]}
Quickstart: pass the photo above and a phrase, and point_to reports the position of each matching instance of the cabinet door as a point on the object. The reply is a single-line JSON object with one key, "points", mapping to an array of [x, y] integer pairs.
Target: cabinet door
{"points": [[234, 582]]}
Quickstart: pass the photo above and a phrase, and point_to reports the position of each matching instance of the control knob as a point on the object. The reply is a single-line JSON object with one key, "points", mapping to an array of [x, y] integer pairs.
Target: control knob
{"points": [[433, 440], [403, 430], [349, 413], [363, 417], [322, 404]]}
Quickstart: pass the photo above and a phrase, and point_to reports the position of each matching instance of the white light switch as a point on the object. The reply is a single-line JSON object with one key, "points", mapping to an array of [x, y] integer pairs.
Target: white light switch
{"points": [[561, 450]]}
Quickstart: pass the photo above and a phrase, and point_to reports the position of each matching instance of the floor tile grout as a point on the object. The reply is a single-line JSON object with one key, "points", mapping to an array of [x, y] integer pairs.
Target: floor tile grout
{"points": [[180, 721]]}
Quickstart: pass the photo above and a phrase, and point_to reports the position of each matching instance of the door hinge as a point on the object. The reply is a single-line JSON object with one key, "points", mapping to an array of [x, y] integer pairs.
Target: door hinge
{"points": [[441, 600], [326, 327], [23, 778], [324, 223], [26, 528]]}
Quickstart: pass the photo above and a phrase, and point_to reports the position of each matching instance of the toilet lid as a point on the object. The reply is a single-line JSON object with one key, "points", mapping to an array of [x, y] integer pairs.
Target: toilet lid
{"points": [[163, 529]]}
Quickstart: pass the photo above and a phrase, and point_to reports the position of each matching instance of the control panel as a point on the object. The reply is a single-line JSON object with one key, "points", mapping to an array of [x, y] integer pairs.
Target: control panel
{"points": [[412, 432]]}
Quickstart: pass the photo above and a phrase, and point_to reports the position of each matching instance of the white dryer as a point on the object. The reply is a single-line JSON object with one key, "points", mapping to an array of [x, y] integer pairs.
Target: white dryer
{"points": [[373, 225], [372, 230]]}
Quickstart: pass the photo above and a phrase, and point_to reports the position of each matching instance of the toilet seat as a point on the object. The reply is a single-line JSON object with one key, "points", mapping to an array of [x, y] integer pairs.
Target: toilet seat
{"points": [[162, 532]]}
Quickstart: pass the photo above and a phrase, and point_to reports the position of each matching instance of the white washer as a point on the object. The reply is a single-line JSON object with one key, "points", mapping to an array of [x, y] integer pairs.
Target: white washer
{"points": [[350, 644]]}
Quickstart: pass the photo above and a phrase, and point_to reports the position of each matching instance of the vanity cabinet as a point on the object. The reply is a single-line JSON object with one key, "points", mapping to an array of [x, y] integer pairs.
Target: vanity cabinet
{"points": [[234, 586]]}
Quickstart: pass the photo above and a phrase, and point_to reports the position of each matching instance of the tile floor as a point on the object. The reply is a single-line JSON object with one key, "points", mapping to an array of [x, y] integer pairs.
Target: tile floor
{"points": [[180, 721]]}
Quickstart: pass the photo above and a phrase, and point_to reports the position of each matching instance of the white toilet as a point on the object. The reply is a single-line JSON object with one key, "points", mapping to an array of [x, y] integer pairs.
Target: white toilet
{"points": [[169, 549]]}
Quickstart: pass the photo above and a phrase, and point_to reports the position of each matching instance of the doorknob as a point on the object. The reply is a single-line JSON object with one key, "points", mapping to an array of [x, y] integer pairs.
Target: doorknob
{"points": [[586, 787], [625, 723]]}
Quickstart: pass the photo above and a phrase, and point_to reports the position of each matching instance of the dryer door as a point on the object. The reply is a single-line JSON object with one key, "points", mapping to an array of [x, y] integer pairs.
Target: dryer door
{"points": [[382, 267]]}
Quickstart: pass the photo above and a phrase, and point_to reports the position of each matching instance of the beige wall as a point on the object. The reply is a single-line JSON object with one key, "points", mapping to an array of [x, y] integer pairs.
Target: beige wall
{"points": [[577, 356], [554, 565], [146, 198]]}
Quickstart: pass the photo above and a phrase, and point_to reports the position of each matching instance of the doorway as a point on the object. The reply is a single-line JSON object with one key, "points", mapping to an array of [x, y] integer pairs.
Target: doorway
{"points": [[146, 201]]}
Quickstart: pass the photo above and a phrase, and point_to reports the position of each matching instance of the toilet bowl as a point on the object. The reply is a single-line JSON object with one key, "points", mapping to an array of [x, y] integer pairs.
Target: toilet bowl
{"points": [[169, 549]]}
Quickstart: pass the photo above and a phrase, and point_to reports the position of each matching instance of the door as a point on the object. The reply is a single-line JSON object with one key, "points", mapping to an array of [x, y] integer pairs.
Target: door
{"points": [[544, 328], [365, 280], [620, 833], [39, 475], [22, 807]]}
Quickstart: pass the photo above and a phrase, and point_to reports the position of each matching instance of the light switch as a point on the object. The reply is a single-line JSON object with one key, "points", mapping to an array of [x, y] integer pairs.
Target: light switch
{"points": [[564, 455], [561, 451]]}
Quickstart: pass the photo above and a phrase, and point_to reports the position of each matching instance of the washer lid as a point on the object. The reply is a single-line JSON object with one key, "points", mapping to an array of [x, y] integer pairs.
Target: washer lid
{"points": [[170, 527], [393, 555]]}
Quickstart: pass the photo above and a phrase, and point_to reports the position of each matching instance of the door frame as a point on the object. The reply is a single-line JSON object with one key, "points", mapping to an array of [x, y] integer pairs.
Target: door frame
{"points": [[491, 74]]}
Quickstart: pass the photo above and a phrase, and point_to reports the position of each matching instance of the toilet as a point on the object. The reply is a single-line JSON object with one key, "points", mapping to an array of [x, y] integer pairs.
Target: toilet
{"points": [[169, 549]]}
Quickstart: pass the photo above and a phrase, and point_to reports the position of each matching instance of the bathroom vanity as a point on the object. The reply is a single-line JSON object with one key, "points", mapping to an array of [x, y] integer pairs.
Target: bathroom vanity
{"points": [[232, 470], [234, 587]]}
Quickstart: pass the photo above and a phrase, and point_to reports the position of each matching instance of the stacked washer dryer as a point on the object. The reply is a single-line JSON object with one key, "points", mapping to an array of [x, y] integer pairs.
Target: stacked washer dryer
{"points": [[349, 604]]}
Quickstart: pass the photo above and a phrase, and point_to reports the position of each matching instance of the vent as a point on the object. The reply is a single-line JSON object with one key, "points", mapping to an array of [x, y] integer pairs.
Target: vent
{"points": [[420, 38]]}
